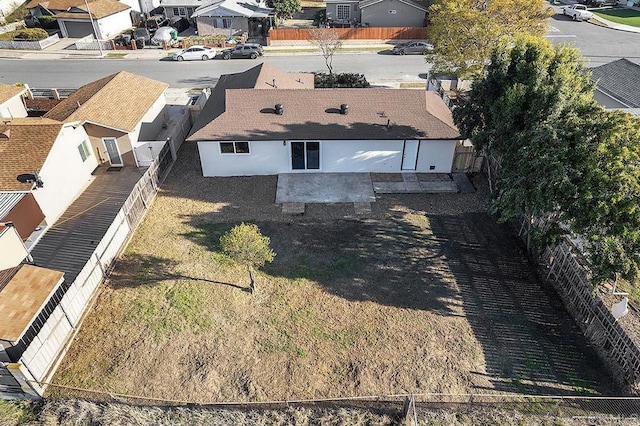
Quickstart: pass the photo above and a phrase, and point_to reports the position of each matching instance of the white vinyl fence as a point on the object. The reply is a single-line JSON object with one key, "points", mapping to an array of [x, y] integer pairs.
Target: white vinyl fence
{"points": [[30, 45], [90, 43], [146, 152]]}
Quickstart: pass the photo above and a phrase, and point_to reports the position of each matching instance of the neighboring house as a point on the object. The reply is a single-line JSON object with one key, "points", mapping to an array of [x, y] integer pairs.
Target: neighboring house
{"points": [[379, 13], [181, 8], [263, 76], [144, 6], [117, 112], [25, 290], [234, 17], [326, 130], [110, 17], [44, 166], [12, 249], [11, 104], [617, 84]]}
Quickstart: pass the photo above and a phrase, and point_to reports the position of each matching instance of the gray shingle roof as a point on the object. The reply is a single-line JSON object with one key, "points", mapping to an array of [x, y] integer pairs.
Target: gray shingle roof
{"points": [[619, 79]]}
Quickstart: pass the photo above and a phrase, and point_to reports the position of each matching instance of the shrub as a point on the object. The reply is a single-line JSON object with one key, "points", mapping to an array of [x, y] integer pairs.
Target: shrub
{"points": [[47, 21], [344, 80], [28, 34]]}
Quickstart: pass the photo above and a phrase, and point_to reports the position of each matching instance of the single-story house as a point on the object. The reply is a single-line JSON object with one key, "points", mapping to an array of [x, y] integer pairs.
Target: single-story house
{"points": [[44, 166], [379, 13], [233, 17], [110, 17], [181, 8], [117, 112], [617, 84], [327, 130], [11, 104]]}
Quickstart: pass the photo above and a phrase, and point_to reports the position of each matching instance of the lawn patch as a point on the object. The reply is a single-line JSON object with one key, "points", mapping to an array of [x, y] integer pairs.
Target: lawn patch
{"points": [[621, 16]]}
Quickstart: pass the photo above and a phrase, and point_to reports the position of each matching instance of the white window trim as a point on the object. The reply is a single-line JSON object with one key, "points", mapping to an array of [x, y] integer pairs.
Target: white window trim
{"points": [[235, 151]]}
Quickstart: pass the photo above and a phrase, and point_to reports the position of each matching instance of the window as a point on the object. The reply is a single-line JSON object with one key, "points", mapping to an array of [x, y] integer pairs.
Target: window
{"points": [[176, 11], [234, 147], [179, 11], [221, 22], [84, 151], [343, 11], [190, 11], [305, 155]]}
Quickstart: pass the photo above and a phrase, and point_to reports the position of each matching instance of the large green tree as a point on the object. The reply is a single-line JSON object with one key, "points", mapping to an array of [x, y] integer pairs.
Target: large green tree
{"points": [[465, 32], [562, 158], [285, 9]]}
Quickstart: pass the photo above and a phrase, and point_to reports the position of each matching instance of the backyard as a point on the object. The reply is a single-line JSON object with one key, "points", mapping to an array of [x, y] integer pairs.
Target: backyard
{"points": [[620, 15], [426, 294]]}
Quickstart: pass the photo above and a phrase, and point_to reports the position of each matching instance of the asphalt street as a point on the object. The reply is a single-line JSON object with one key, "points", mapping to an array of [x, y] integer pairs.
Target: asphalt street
{"points": [[379, 68], [599, 45]]}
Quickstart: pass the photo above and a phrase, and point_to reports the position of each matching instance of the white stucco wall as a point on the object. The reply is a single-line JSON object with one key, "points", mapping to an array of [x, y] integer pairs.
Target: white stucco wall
{"points": [[273, 157], [12, 251], [14, 107], [64, 174], [112, 25], [151, 124], [436, 153], [265, 158], [361, 156]]}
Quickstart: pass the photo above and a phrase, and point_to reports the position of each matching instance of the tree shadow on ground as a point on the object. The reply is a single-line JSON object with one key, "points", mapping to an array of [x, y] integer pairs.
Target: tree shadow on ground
{"points": [[530, 343], [136, 270], [377, 261]]}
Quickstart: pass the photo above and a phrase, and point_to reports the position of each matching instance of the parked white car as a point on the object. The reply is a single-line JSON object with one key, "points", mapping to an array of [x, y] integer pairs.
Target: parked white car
{"points": [[577, 12], [195, 53]]}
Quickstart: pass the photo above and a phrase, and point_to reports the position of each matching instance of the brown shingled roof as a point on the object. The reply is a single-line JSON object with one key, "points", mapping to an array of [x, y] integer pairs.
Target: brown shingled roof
{"points": [[56, 4], [118, 101], [314, 114], [99, 9], [8, 91], [261, 76], [26, 149], [23, 297]]}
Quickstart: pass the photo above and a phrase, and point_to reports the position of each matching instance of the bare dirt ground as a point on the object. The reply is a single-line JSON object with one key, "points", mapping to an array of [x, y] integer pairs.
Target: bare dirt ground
{"points": [[428, 294]]}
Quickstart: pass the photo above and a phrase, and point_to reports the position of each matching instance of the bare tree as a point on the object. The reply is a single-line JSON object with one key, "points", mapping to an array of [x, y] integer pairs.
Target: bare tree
{"points": [[328, 40]]}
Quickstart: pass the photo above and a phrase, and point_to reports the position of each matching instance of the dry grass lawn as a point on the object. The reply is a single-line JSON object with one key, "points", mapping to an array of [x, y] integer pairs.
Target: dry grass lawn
{"points": [[427, 294]]}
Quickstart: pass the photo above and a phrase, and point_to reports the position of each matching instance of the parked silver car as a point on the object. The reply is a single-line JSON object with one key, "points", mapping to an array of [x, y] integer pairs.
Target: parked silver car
{"points": [[195, 53], [412, 48]]}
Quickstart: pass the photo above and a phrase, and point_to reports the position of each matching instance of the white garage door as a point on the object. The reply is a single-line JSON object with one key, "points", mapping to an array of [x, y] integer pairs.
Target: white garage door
{"points": [[78, 29]]}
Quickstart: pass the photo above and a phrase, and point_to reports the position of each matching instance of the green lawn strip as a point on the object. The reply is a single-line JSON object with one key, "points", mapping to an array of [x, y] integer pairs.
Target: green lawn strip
{"points": [[620, 16]]}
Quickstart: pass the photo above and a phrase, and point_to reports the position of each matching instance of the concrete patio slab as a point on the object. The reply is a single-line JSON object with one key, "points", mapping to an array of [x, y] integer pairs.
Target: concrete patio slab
{"points": [[438, 187], [324, 188], [293, 208], [464, 184]]}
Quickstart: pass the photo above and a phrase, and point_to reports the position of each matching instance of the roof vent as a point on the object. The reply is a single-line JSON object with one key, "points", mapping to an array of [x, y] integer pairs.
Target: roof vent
{"points": [[279, 109], [344, 109], [5, 133]]}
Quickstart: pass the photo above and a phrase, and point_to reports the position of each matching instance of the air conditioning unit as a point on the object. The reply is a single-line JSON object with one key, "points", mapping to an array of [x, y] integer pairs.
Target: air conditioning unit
{"points": [[393, 12]]}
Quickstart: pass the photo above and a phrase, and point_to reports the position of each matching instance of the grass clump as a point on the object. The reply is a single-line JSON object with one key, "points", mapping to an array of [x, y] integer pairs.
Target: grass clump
{"points": [[179, 307], [17, 412]]}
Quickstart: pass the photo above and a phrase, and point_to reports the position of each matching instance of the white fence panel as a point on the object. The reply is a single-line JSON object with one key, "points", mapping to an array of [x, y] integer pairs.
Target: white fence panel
{"points": [[147, 151], [30, 45]]}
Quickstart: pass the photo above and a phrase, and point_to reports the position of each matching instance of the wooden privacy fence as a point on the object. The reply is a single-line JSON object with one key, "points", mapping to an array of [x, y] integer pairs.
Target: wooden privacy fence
{"points": [[569, 277], [361, 33]]}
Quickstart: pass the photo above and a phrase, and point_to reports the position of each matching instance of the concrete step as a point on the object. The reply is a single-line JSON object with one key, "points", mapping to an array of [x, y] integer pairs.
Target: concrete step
{"points": [[293, 208]]}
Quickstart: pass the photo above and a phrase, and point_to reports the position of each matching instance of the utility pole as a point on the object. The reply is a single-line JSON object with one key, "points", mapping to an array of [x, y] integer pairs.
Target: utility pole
{"points": [[94, 28]]}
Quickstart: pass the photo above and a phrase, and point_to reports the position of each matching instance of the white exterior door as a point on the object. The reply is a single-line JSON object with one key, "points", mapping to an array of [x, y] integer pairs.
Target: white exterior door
{"points": [[410, 154], [111, 145]]}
